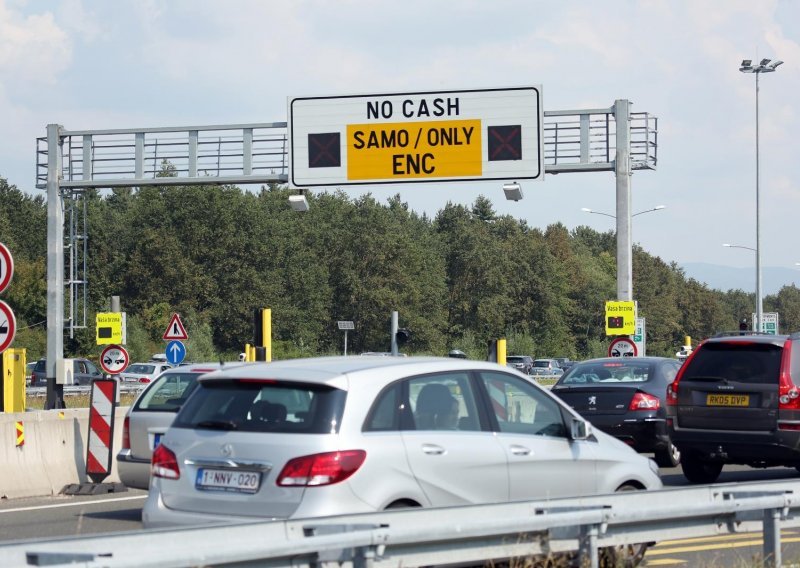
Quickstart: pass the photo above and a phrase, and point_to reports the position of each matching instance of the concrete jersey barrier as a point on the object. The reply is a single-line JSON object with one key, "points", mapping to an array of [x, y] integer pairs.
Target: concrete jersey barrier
{"points": [[53, 453]]}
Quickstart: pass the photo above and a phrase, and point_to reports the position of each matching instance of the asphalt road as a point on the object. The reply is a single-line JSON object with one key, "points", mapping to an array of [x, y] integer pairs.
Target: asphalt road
{"points": [[63, 516]]}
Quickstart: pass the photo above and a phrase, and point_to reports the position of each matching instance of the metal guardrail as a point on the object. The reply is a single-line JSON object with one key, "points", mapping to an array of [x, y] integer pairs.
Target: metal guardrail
{"points": [[429, 537], [73, 390]]}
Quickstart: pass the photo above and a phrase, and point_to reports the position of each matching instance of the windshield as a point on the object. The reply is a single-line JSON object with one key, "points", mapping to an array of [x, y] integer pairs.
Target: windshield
{"points": [[541, 363]]}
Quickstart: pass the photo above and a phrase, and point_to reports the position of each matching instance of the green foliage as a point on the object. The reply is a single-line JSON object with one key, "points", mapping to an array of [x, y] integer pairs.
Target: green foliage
{"points": [[214, 254]]}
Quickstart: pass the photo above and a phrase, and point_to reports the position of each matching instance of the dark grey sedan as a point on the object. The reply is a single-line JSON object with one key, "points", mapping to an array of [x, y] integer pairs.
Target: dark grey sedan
{"points": [[625, 397]]}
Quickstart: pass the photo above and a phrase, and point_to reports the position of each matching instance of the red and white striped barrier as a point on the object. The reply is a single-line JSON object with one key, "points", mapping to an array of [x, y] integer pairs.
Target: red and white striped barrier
{"points": [[101, 429]]}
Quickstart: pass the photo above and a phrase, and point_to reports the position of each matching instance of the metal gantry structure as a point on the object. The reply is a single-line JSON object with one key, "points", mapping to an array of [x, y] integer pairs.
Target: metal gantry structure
{"points": [[68, 162]]}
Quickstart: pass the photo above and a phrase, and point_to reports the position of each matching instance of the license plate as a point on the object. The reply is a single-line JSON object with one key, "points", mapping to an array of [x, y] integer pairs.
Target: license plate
{"points": [[227, 480], [728, 400]]}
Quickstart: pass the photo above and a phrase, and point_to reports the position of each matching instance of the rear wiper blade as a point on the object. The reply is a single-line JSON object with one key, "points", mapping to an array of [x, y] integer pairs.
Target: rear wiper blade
{"points": [[218, 424]]}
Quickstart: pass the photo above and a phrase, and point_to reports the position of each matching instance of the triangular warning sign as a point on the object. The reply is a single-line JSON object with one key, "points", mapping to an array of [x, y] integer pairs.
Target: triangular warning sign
{"points": [[175, 329]]}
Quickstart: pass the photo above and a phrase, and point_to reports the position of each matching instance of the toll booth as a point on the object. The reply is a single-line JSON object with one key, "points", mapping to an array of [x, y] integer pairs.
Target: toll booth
{"points": [[12, 370]]}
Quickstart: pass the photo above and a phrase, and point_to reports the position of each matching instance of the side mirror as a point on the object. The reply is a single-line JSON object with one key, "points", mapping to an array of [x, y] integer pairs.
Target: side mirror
{"points": [[580, 429]]}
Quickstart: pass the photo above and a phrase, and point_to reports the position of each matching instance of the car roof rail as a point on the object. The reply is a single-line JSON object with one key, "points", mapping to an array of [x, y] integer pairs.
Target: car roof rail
{"points": [[738, 333]]}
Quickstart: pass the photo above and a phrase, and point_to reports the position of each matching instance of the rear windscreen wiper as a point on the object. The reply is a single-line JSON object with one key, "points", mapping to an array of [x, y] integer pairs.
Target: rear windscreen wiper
{"points": [[218, 425], [707, 379]]}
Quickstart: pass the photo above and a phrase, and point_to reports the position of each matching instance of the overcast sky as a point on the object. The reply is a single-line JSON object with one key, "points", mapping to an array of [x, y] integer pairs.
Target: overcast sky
{"points": [[95, 64]]}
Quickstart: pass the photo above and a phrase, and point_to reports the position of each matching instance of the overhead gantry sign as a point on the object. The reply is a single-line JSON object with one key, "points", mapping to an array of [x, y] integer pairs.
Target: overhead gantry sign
{"points": [[491, 134]]}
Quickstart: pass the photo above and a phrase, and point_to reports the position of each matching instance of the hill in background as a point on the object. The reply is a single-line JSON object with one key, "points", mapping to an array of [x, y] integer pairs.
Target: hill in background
{"points": [[725, 278]]}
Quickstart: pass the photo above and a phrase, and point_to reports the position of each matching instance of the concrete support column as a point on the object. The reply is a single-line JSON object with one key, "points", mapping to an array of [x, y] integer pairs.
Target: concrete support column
{"points": [[55, 268], [622, 169]]}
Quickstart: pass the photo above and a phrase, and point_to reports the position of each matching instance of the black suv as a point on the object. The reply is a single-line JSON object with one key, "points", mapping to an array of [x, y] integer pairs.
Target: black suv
{"points": [[736, 401]]}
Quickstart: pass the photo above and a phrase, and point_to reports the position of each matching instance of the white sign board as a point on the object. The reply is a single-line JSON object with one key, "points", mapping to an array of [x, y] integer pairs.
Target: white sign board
{"points": [[769, 323], [640, 337], [436, 136]]}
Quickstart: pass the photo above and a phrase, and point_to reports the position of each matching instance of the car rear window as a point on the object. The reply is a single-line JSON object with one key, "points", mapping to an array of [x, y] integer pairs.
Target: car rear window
{"points": [[168, 393], [40, 366], [261, 406], [742, 362], [624, 371], [143, 369]]}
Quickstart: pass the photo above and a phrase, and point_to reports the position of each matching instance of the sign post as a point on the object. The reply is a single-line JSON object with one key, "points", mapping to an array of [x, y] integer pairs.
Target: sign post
{"points": [[437, 136], [110, 328], [175, 329], [620, 318], [345, 326], [770, 323], [622, 347], [114, 359], [8, 326], [175, 352], [6, 267]]}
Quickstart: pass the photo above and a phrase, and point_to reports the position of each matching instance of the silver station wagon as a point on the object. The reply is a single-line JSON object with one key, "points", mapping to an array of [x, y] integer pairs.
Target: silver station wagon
{"points": [[325, 436]]}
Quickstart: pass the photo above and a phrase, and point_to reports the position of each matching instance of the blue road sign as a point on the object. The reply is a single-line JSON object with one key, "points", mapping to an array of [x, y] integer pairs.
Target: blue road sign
{"points": [[175, 351]]}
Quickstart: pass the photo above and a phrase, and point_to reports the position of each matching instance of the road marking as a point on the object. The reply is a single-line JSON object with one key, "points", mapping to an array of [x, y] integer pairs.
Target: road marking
{"points": [[666, 562], [38, 507], [720, 546], [717, 538]]}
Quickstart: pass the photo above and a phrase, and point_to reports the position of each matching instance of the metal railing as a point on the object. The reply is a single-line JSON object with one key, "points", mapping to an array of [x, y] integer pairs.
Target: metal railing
{"points": [[429, 537], [574, 140]]}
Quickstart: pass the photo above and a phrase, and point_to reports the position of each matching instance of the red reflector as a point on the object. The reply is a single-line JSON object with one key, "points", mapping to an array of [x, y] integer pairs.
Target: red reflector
{"points": [[144, 380], [793, 426], [126, 433], [321, 469]]}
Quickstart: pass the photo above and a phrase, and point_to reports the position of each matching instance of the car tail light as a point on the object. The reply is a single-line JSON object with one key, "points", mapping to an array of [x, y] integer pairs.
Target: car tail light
{"points": [[144, 380], [644, 401], [164, 463], [321, 469], [672, 388], [126, 433], [788, 394]]}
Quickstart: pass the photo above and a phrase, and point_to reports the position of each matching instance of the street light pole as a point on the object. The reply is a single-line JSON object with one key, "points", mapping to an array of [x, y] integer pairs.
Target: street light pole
{"points": [[627, 253], [763, 67]]}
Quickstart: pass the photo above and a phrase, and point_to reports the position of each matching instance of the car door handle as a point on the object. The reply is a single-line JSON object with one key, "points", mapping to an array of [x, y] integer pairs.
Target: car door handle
{"points": [[520, 450], [432, 449]]}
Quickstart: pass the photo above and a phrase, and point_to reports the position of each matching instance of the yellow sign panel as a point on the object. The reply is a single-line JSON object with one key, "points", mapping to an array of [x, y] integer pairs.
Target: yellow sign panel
{"points": [[620, 318], [435, 149], [110, 328]]}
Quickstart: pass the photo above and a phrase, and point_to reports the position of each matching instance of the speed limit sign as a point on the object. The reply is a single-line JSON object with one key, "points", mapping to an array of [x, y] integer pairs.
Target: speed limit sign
{"points": [[114, 359], [622, 347]]}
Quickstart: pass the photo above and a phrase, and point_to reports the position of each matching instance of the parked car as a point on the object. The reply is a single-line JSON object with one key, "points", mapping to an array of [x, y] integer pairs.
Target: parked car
{"points": [[545, 367], [625, 397], [565, 363], [736, 401], [29, 367], [143, 372], [83, 372], [149, 417], [335, 435], [521, 363]]}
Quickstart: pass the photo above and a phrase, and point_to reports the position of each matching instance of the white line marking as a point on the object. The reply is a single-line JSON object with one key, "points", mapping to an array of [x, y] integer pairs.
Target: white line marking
{"points": [[37, 507]]}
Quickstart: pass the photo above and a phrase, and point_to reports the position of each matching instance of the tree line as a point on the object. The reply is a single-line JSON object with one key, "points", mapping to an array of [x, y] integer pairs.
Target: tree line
{"points": [[459, 279]]}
